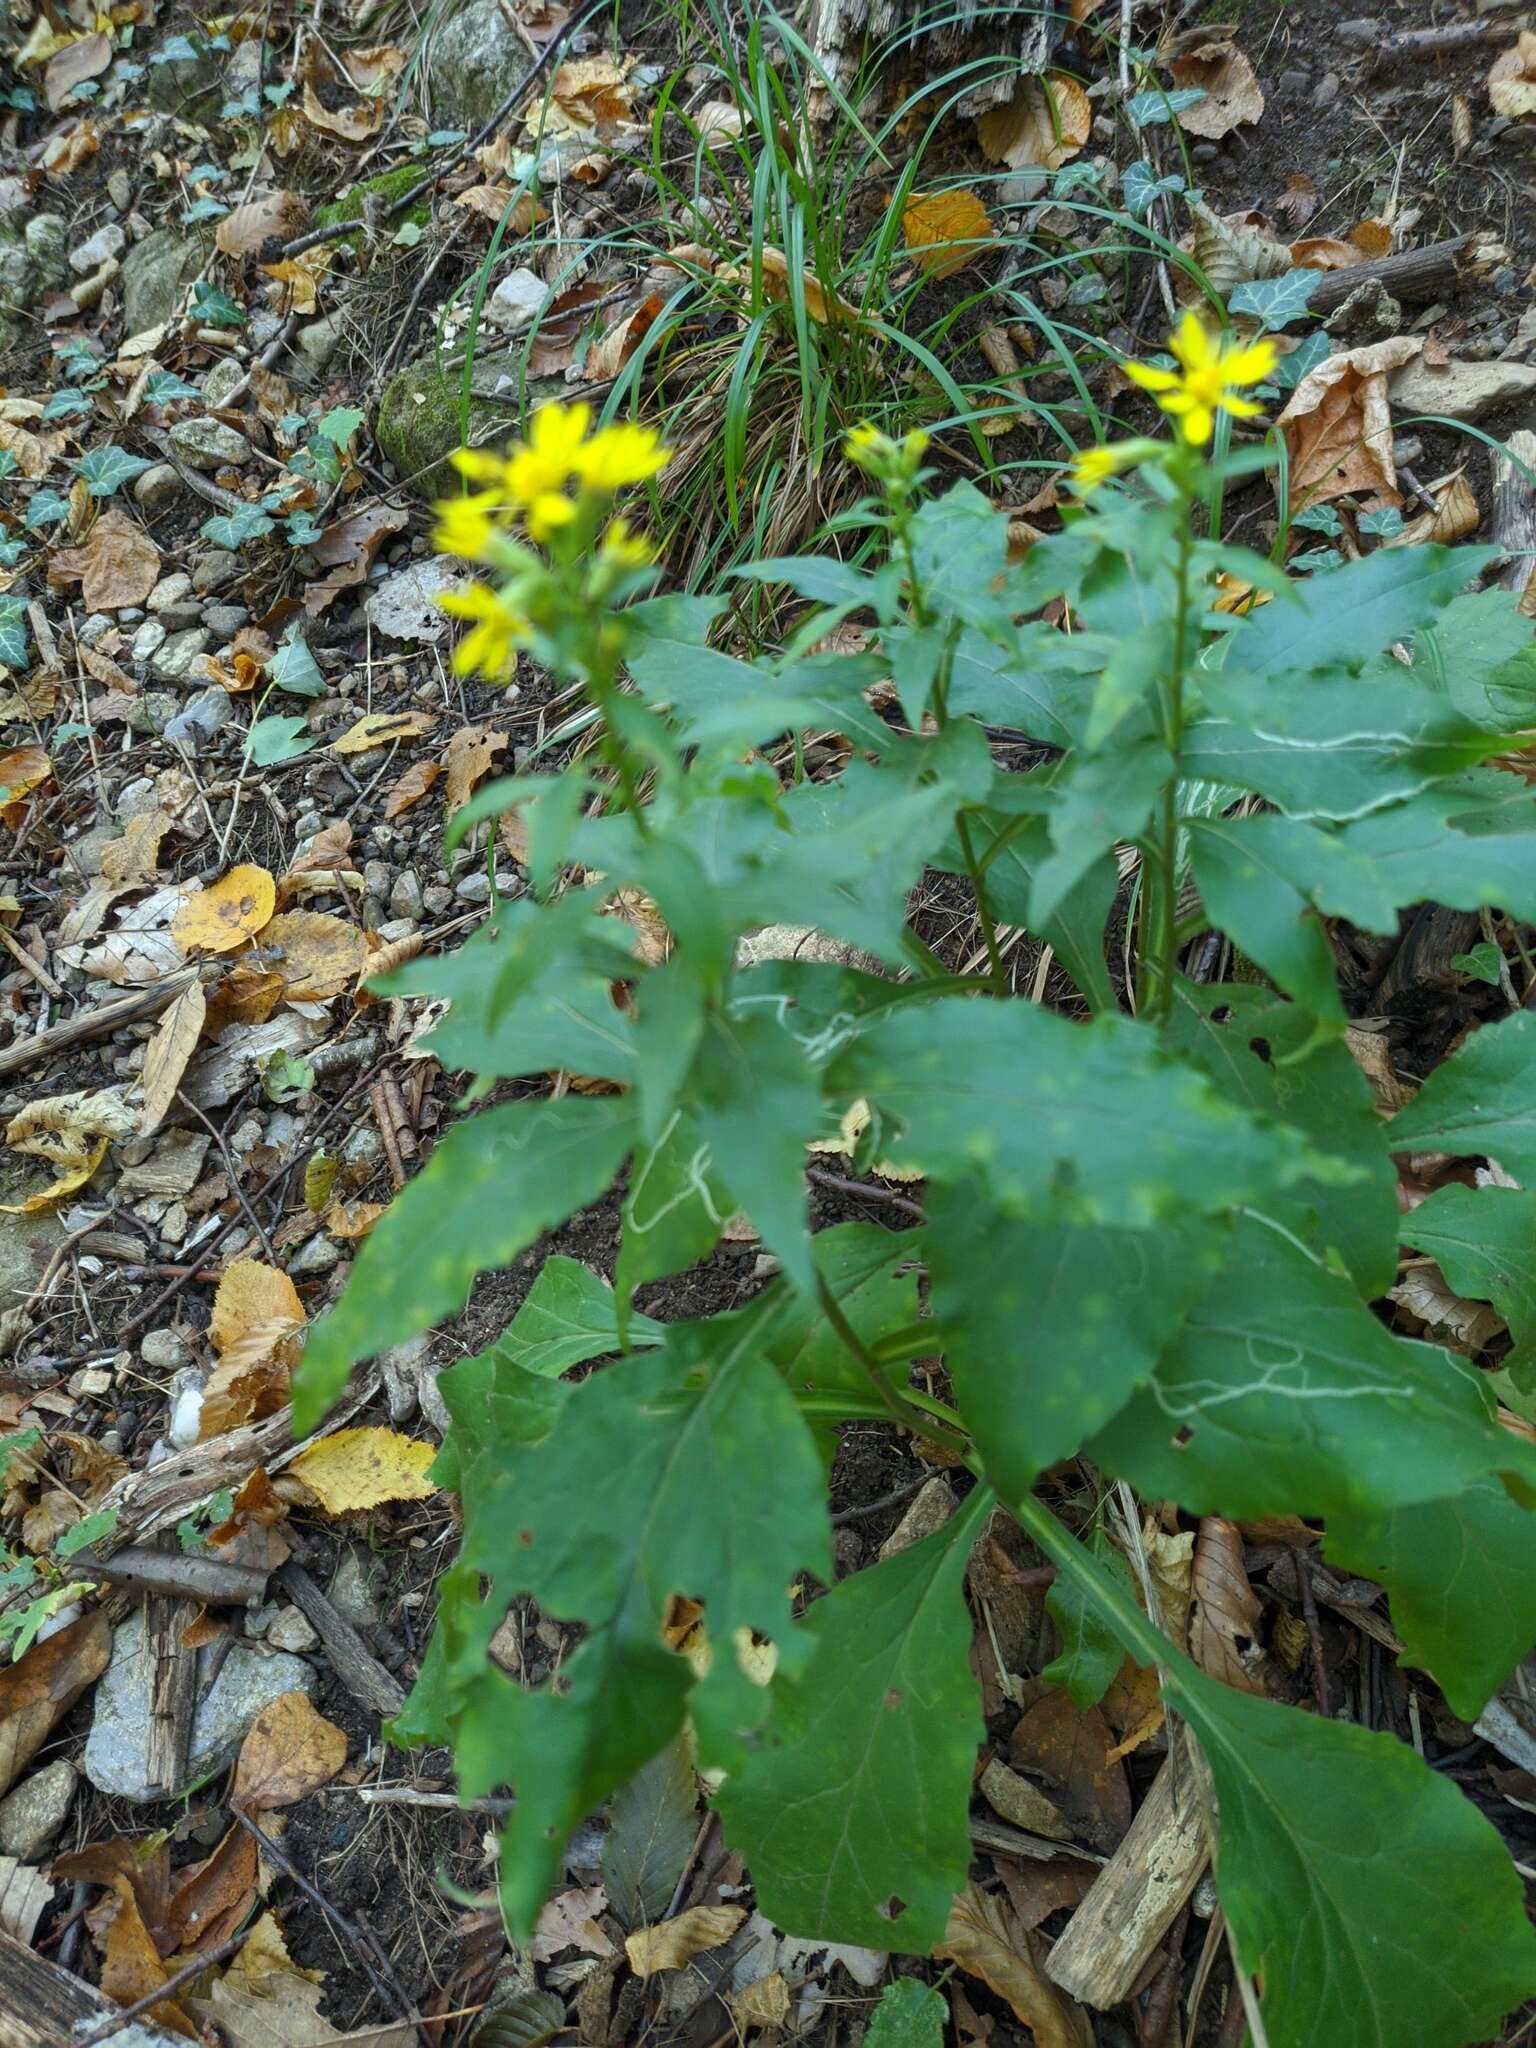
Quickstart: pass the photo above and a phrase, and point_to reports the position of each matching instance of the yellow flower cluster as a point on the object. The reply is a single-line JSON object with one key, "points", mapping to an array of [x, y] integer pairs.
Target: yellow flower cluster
{"points": [[1208, 375], [534, 478]]}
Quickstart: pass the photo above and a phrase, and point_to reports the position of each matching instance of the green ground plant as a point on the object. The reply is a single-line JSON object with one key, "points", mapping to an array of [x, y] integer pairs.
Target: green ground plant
{"points": [[1151, 1233]]}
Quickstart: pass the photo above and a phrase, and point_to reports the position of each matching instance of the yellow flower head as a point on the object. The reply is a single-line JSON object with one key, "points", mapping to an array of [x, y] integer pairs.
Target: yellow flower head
{"points": [[549, 511], [1208, 376], [465, 525], [491, 648], [625, 549], [479, 465], [867, 446], [619, 455], [1094, 466], [550, 456]]}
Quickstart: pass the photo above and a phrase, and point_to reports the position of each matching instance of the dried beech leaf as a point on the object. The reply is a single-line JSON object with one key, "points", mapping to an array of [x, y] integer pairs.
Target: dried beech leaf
{"points": [[317, 955], [983, 1938], [671, 1943], [1512, 81], [944, 231], [41, 1687], [1044, 125], [1224, 1617], [1232, 95], [1338, 424], [291, 1751], [167, 1054]]}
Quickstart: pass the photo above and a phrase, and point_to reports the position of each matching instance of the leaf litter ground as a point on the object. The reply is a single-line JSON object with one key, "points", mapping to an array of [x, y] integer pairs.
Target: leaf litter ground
{"points": [[99, 1370]]}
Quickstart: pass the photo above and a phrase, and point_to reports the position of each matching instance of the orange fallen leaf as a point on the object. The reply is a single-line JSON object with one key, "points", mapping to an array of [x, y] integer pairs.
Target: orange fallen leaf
{"points": [[131, 1968], [353, 1219], [411, 788], [291, 1751], [250, 1293], [220, 918], [246, 229], [1337, 425], [22, 769], [467, 760], [348, 124], [43, 1684], [945, 231], [118, 565], [983, 1938], [71, 1133], [360, 1468]]}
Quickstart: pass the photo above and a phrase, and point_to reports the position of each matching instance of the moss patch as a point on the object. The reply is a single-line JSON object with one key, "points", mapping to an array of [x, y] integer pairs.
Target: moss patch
{"points": [[389, 186], [418, 424]]}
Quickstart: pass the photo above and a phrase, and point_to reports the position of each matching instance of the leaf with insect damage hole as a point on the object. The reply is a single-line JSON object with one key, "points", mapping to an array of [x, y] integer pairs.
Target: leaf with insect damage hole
{"points": [[851, 1808]]}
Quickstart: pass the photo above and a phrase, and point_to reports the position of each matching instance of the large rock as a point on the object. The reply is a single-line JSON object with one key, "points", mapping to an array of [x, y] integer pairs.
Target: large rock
{"points": [[476, 60], [15, 287], [31, 1815], [117, 1748], [1461, 391], [27, 1243], [154, 274], [419, 418]]}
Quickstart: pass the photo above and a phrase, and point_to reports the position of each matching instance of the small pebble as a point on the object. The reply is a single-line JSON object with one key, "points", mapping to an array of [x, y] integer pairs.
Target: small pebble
{"points": [[165, 1350], [292, 1631]]}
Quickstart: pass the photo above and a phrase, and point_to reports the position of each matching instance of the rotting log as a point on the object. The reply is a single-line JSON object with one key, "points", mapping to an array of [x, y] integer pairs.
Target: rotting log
{"points": [[1513, 523]]}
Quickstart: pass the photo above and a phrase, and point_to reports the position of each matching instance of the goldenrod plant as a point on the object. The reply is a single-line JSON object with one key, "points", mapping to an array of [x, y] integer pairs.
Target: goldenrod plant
{"points": [[1152, 1230]]}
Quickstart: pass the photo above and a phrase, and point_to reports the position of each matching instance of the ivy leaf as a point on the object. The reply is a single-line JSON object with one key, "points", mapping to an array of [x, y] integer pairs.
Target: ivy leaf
{"points": [[233, 529], [1148, 109], [14, 640], [339, 424], [1338, 1849], [1039, 1108], [1275, 301], [1141, 188], [213, 308], [1283, 1394], [1459, 1575], [294, 668], [1050, 1328], [568, 1316], [45, 507], [161, 387], [711, 1486], [107, 469], [1343, 621], [852, 1807], [1480, 1100], [489, 1189], [67, 404], [1308, 353], [1484, 1242]]}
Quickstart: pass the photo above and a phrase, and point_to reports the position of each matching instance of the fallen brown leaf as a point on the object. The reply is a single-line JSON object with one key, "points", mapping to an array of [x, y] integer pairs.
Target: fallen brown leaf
{"points": [[1337, 425], [291, 1751], [71, 1132], [1512, 81], [42, 1686], [1045, 123], [348, 124], [210, 1899], [382, 729], [134, 858], [985, 1940], [24, 1892], [167, 1054], [73, 65], [245, 229], [944, 231], [119, 565], [1070, 1748], [671, 1943], [131, 1967], [466, 761], [411, 787], [22, 769], [1225, 1610], [1232, 92]]}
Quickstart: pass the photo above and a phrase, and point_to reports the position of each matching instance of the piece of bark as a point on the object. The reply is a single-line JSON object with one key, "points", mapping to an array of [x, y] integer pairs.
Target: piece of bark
{"points": [[1432, 937], [97, 1021], [172, 1695], [1137, 1895], [351, 1659], [1411, 274], [42, 2005], [1514, 512], [845, 35], [1427, 42], [141, 1569]]}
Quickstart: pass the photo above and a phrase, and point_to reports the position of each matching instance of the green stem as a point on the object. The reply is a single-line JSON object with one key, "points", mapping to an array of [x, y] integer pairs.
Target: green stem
{"points": [[1167, 954], [1148, 1645], [983, 909], [895, 1406]]}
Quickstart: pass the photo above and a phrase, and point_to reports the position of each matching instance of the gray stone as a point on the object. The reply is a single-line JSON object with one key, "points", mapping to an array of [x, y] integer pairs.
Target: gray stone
{"points": [[165, 1350], [476, 60], [93, 626], [215, 571], [418, 418], [31, 1816], [169, 590], [405, 896], [1460, 391], [108, 241], [47, 240], [292, 1631], [146, 641], [376, 879], [117, 1748], [153, 712], [351, 1591], [225, 619], [475, 887], [1327, 90], [516, 301], [316, 342], [221, 380], [191, 86], [320, 1255], [157, 487], [15, 287], [200, 718], [15, 198], [154, 274], [175, 657], [27, 1243], [208, 444], [364, 1147], [136, 799]]}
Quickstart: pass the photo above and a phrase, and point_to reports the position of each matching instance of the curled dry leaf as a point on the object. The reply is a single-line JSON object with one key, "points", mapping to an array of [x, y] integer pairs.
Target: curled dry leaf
{"points": [[1044, 125], [411, 788], [944, 231], [167, 1054], [254, 1329], [22, 769], [1456, 515], [987, 1942], [253, 1534], [244, 230], [349, 1220], [233, 909], [348, 124], [134, 859], [210, 1899], [361, 1468], [131, 1968], [291, 1751], [611, 351], [1467, 1326], [85, 58], [1232, 249], [1338, 424], [1225, 1611], [570, 1920], [1512, 81], [298, 278], [466, 761], [318, 956], [591, 97], [71, 1132], [1232, 95], [382, 729], [822, 306], [24, 1892], [119, 564], [346, 549], [671, 1943], [41, 1687]]}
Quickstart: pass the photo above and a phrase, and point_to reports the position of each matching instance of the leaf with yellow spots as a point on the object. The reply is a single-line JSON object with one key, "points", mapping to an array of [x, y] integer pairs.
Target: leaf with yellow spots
{"points": [[945, 231], [361, 1468], [223, 916]]}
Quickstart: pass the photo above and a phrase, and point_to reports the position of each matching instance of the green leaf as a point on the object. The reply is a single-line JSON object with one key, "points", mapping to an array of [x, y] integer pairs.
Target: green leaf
{"points": [[755, 1101], [1484, 1242], [340, 424], [274, 740], [1252, 1048], [1097, 801], [285, 1076], [1445, 847], [1043, 684], [14, 639], [1075, 930], [851, 1809], [102, 1523], [1039, 1109], [213, 308], [568, 1316], [960, 552], [1091, 1653], [675, 1207], [911, 2014], [1481, 1100], [1148, 109], [1275, 301], [492, 1185], [711, 1487], [1283, 1394], [1459, 1575], [294, 668], [651, 1826], [107, 469], [233, 529], [1049, 1329], [871, 1273], [1343, 619], [1484, 963]]}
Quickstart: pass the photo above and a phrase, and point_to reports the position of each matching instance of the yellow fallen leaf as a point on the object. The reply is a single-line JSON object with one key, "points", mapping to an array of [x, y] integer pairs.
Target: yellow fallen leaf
{"points": [[72, 1133], [381, 729], [21, 770], [353, 1219], [254, 1330], [466, 761], [945, 230], [822, 306], [225, 915], [167, 1054], [360, 1468], [251, 1293], [316, 954], [674, 1942]]}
